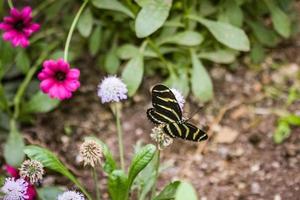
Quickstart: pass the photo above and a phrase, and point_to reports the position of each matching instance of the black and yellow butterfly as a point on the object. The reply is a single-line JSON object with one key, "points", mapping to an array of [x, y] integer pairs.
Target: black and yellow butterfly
{"points": [[167, 111]]}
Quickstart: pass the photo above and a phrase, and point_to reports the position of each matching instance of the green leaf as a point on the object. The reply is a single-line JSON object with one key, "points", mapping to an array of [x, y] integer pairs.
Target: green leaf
{"points": [[292, 120], [49, 192], [140, 160], [118, 185], [202, 86], [133, 73], [152, 16], [112, 5], [226, 34], [281, 21], [263, 34], [50, 161], [282, 132], [222, 56], [22, 61], [187, 38], [85, 23], [111, 62], [110, 163], [257, 53], [13, 148], [186, 191], [231, 13], [169, 192], [3, 99], [40, 103], [95, 41], [127, 51]]}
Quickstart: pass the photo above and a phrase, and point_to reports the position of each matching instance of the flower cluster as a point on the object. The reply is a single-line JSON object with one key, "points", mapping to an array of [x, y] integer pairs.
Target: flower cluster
{"points": [[112, 89], [15, 189], [162, 139], [179, 97], [32, 170], [18, 27], [58, 80], [71, 195], [91, 152]]}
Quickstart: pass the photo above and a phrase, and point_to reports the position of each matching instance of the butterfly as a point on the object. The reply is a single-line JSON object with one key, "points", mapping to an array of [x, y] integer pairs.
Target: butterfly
{"points": [[166, 111]]}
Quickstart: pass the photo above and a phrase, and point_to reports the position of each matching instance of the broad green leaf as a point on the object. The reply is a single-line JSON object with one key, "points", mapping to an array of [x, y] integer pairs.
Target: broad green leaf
{"points": [[118, 185], [95, 41], [219, 56], [169, 192], [133, 73], [14, 146], [60, 54], [226, 34], [111, 62], [112, 5], [263, 34], [127, 51], [140, 160], [40, 103], [187, 38], [22, 61], [231, 13], [85, 23], [152, 16], [50, 161], [282, 132], [186, 191], [49, 192], [109, 163], [281, 21], [202, 86]]}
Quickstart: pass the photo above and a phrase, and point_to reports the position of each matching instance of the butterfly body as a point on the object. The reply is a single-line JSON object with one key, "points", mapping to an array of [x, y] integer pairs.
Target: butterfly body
{"points": [[166, 111]]}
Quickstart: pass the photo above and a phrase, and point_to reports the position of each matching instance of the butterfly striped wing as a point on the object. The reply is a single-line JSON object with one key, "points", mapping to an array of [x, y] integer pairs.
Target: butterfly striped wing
{"points": [[165, 106], [185, 131]]}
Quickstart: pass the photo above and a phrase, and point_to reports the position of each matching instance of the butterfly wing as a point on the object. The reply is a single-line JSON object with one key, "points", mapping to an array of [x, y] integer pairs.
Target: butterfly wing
{"points": [[185, 131], [165, 106]]}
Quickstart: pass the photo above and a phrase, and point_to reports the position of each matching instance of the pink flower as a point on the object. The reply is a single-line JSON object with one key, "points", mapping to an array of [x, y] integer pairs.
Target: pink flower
{"points": [[18, 27], [13, 172], [58, 80]]}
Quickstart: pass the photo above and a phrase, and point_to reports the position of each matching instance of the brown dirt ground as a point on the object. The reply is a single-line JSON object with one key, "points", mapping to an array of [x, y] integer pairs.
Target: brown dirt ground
{"points": [[250, 166]]}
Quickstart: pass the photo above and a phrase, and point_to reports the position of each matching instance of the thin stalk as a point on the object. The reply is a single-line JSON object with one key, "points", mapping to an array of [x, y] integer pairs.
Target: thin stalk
{"points": [[67, 45], [10, 4], [156, 173], [21, 90], [95, 177], [120, 135]]}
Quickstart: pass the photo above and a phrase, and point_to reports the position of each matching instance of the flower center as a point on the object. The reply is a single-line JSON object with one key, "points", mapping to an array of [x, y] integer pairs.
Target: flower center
{"points": [[19, 25], [60, 76]]}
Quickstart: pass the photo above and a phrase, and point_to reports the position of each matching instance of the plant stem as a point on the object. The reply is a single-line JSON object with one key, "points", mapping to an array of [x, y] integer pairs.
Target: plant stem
{"points": [[10, 4], [21, 90], [95, 177], [120, 134], [66, 51], [156, 173]]}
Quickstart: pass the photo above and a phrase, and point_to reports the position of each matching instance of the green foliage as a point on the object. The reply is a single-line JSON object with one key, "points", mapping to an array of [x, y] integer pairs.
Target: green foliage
{"points": [[40, 103], [169, 192], [49, 193], [283, 129]]}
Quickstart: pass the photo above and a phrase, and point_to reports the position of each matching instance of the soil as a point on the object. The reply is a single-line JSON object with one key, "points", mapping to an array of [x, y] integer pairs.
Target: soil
{"points": [[240, 160]]}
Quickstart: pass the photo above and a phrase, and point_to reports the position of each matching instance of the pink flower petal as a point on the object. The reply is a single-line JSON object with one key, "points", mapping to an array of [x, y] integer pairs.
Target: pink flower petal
{"points": [[13, 172], [9, 20], [26, 12], [71, 85], [5, 26], [47, 84], [63, 66], [9, 35], [15, 13], [73, 74]]}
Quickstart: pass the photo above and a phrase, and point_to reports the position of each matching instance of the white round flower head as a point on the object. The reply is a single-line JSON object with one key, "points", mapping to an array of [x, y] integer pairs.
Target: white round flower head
{"points": [[112, 89], [71, 195], [91, 152], [162, 139], [33, 170], [15, 189], [179, 97]]}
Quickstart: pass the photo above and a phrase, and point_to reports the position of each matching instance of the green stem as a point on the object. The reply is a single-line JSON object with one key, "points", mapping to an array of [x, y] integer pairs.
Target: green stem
{"points": [[95, 177], [21, 90], [120, 134], [10, 4], [72, 29], [156, 173]]}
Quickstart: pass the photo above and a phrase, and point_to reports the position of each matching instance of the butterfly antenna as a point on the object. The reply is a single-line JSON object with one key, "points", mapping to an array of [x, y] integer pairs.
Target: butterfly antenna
{"points": [[194, 113]]}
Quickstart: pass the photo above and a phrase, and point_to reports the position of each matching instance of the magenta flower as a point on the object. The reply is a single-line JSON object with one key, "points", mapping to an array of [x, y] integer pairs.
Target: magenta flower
{"points": [[58, 80], [18, 27]]}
